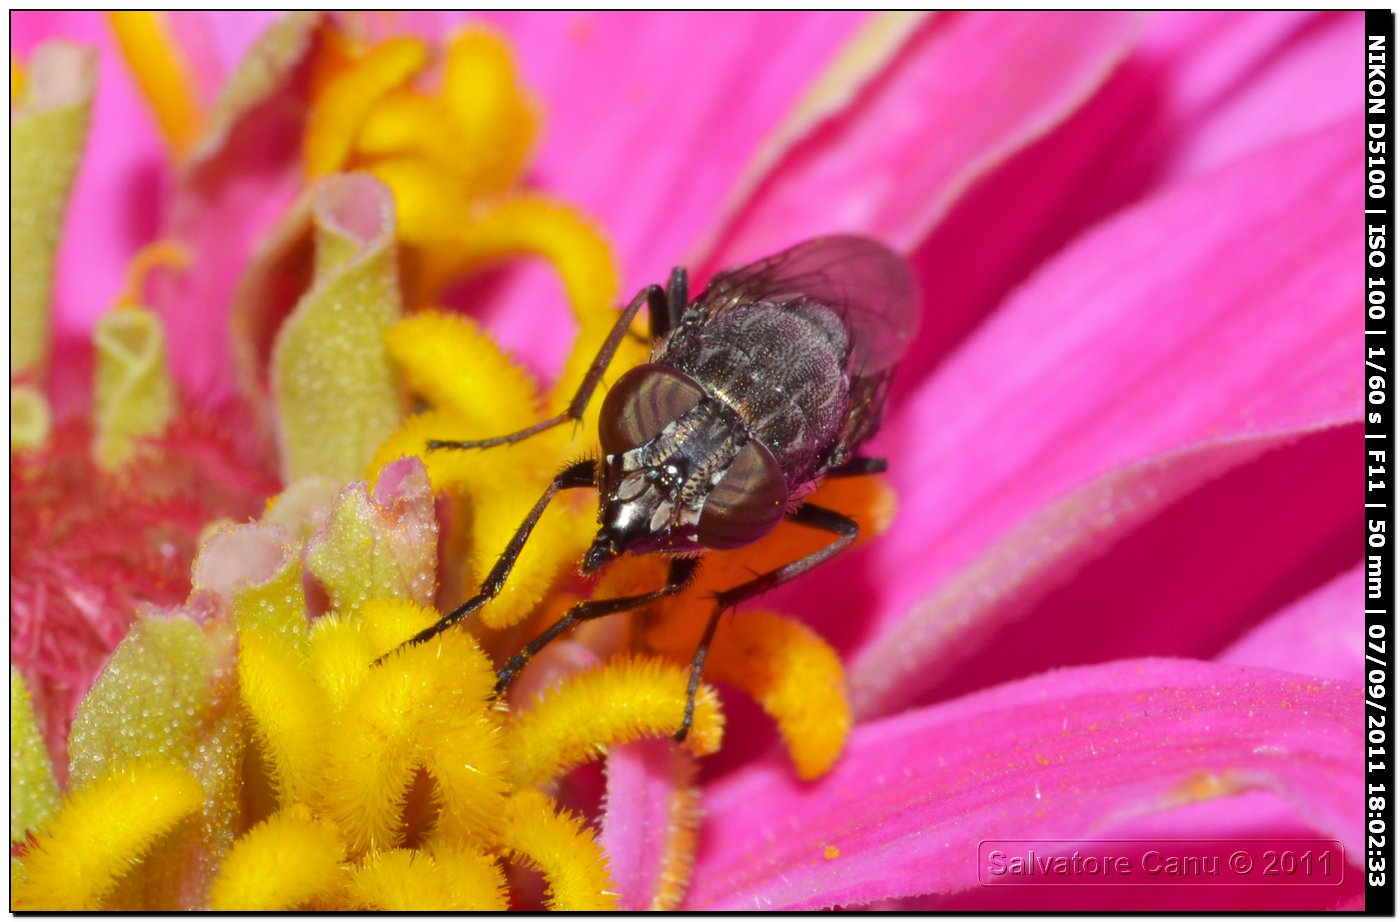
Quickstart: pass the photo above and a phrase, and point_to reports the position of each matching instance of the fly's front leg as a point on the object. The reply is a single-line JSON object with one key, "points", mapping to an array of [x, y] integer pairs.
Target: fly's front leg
{"points": [[819, 517], [677, 297], [582, 474], [651, 295], [681, 572]]}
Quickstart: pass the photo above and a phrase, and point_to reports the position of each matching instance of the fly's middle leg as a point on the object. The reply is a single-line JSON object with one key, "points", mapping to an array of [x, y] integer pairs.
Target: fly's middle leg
{"points": [[819, 517], [681, 572]]}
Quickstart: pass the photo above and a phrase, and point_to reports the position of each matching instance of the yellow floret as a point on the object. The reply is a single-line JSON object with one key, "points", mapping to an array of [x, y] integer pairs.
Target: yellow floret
{"points": [[563, 847], [290, 712], [283, 863], [627, 699], [100, 832]]}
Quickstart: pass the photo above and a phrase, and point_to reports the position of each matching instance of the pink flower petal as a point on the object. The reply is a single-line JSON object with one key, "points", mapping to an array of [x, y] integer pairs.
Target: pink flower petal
{"points": [[241, 177], [645, 780], [1231, 821], [1319, 635], [648, 120], [1254, 815], [954, 102], [1063, 756], [1230, 83], [1181, 583], [1093, 366], [1197, 91]]}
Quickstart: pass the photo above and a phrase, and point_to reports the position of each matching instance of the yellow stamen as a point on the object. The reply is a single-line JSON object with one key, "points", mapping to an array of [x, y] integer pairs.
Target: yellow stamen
{"points": [[482, 91], [564, 848], [788, 669], [289, 711], [682, 834], [378, 741], [16, 79], [409, 123], [451, 362], [477, 878], [163, 75], [163, 254], [99, 831], [283, 863], [627, 699], [466, 756], [348, 97], [400, 880], [344, 645]]}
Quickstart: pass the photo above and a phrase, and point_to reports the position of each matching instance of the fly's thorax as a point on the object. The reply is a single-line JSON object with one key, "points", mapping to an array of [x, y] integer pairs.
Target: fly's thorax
{"points": [[680, 471], [781, 367]]}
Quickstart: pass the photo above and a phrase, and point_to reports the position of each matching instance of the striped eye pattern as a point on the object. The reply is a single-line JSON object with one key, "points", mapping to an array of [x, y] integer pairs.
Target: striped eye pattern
{"points": [[643, 402], [749, 500]]}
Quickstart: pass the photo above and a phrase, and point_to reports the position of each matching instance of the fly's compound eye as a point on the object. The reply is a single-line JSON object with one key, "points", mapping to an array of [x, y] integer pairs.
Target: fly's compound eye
{"points": [[640, 406], [749, 500]]}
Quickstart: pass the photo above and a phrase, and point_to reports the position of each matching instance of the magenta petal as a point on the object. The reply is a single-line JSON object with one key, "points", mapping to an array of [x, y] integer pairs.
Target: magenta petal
{"points": [[1198, 90], [1123, 351], [240, 179], [1062, 755], [649, 120], [1318, 635], [953, 103], [1182, 583], [651, 117], [647, 782]]}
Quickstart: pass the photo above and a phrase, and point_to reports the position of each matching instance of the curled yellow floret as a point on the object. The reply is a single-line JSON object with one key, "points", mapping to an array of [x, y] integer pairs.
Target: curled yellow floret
{"points": [[345, 102], [563, 847], [285, 862], [795, 676], [629, 698], [162, 75], [289, 712], [450, 361], [100, 831], [377, 743]]}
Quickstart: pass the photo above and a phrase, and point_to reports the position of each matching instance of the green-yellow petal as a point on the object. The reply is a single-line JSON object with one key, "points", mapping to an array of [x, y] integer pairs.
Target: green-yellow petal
{"points": [[47, 132], [30, 418], [169, 692], [134, 396], [337, 394], [379, 547], [33, 792]]}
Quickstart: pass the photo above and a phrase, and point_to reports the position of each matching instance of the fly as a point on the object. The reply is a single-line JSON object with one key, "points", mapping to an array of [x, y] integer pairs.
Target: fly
{"points": [[756, 392]]}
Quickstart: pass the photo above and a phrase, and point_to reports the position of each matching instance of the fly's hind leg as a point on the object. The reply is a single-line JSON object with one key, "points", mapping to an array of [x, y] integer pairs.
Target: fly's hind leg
{"points": [[658, 309], [843, 527]]}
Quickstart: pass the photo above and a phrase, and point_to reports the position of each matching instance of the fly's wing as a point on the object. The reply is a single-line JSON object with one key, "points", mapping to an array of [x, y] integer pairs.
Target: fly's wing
{"points": [[868, 285]]}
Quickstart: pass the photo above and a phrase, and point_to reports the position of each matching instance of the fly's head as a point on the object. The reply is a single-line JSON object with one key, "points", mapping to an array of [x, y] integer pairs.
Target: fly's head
{"points": [[679, 473]]}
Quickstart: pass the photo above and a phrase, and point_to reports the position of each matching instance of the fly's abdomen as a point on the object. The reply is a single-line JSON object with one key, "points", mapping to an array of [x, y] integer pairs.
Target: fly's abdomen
{"points": [[781, 368]]}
